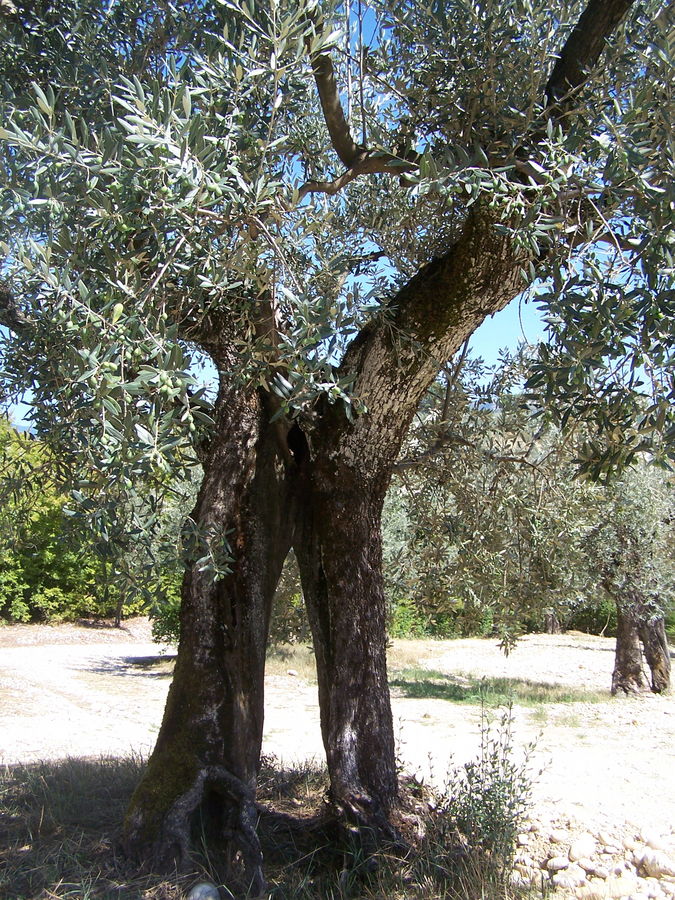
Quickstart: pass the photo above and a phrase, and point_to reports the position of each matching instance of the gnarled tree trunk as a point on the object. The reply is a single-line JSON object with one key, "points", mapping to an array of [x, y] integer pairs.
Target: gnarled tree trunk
{"points": [[627, 677], [207, 754], [657, 653], [339, 553]]}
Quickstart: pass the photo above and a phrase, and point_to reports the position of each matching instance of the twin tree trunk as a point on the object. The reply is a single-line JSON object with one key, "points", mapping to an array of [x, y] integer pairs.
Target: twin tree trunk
{"points": [[637, 630], [205, 763], [267, 488]]}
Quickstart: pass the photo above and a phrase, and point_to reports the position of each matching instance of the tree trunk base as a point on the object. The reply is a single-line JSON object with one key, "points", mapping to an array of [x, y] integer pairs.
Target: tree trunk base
{"points": [[365, 827], [628, 686], [657, 653], [236, 828]]}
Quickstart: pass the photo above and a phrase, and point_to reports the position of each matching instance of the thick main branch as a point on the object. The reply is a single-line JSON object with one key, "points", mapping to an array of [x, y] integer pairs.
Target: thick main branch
{"points": [[583, 47]]}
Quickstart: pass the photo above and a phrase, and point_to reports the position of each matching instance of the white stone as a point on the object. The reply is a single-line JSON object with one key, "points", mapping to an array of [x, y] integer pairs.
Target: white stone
{"points": [[592, 892], [204, 891], [606, 838], [593, 868], [292, 672], [652, 839], [657, 863], [518, 880], [581, 847], [621, 886], [556, 863], [577, 873], [523, 840], [558, 836], [563, 880]]}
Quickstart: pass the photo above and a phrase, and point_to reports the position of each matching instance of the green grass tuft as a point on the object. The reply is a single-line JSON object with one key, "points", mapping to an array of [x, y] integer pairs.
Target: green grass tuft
{"points": [[428, 684]]}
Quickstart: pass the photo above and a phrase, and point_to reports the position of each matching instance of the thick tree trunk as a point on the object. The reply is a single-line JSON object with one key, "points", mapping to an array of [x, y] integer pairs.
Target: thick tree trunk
{"points": [[207, 754], [338, 547], [345, 473], [627, 676], [657, 653]]}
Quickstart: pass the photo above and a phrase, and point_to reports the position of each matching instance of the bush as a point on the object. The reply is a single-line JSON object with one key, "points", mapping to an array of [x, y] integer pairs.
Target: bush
{"points": [[165, 611], [597, 617], [486, 800], [406, 620]]}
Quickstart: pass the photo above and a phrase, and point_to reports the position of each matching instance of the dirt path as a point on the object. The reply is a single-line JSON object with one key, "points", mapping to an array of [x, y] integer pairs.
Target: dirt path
{"points": [[68, 691]]}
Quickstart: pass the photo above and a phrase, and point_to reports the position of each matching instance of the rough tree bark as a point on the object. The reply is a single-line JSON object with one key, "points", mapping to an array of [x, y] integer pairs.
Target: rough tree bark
{"points": [[657, 653], [207, 754], [627, 677], [339, 553], [345, 469]]}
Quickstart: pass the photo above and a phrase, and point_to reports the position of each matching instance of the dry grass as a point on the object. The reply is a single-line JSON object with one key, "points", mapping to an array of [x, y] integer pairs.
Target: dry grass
{"points": [[296, 658], [60, 827]]}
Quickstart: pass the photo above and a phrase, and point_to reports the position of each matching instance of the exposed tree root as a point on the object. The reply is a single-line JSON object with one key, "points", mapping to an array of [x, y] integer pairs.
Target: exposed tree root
{"points": [[365, 827], [237, 829]]}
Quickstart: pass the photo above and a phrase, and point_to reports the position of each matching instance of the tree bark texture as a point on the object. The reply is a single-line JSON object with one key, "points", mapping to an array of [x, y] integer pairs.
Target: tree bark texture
{"points": [[327, 487], [339, 553], [628, 676], [657, 653], [207, 754]]}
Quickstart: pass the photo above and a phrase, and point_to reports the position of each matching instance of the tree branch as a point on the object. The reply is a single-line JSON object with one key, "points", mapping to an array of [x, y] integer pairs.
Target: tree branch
{"points": [[356, 157], [341, 138], [450, 439], [11, 316], [582, 50], [368, 164]]}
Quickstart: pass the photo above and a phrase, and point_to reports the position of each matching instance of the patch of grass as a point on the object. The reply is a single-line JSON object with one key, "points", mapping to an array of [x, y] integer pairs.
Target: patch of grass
{"points": [[428, 684], [60, 827], [403, 653], [297, 658], [539, 715]]}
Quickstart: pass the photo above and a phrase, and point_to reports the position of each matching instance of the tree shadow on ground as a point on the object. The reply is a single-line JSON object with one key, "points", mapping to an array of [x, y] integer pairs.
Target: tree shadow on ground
{"points": [[433, 685], [60, 828], [159, 666]]}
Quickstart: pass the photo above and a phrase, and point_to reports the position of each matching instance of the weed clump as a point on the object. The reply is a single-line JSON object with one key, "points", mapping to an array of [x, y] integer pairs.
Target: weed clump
{"points": [[486, 800]]}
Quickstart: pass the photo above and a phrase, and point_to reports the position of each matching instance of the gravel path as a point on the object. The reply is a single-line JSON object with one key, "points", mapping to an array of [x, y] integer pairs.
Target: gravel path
{"points": [[67, 691]]}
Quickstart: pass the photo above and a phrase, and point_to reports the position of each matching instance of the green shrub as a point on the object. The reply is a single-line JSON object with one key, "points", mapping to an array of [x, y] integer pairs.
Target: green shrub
{"points": [[12, 591], [406, 620], [165, 611], [289, 623], [486, 800], [597, 617]]}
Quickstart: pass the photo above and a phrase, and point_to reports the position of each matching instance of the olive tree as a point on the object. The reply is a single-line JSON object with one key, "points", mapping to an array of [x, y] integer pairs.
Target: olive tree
{"points": [[495, 525], [325, 206]]}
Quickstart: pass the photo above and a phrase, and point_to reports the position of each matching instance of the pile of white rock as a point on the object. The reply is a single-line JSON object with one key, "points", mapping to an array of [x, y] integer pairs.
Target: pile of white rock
{"points": [[623, 864]]}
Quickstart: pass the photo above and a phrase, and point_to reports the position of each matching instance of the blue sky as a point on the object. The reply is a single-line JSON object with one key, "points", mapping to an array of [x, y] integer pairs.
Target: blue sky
{"points": [[519, 322]]}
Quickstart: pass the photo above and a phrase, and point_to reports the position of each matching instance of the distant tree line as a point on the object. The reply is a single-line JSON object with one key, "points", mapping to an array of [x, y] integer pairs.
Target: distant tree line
{"points": [[51, 568]]}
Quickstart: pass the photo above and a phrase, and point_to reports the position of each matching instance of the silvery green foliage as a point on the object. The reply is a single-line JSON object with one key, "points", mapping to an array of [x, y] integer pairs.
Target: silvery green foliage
{"points": [[487, 526], [153, 210]]}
